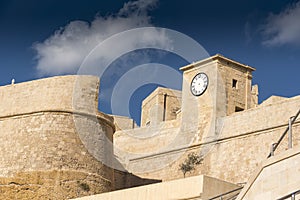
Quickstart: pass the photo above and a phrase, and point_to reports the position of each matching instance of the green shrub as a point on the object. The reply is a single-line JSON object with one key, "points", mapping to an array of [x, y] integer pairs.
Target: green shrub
{"points": [[190, 162]]}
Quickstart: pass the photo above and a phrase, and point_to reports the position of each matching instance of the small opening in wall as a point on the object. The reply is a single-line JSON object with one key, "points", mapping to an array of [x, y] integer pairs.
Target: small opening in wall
{"points": [[238, 109], [148, 123], [234, 83]]}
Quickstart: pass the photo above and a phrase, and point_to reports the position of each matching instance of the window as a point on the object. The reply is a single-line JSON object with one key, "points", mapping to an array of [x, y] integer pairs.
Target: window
{"points": [[148, 123], [234, 83], [238, 109]]}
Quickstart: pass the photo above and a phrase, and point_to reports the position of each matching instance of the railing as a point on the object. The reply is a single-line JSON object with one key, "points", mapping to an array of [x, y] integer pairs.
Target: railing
{"points": [[292, 196], [287, 130], [222, 196]]}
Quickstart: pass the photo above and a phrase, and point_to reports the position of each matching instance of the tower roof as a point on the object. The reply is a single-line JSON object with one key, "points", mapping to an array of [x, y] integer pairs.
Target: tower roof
{"points": [[214, 58]]}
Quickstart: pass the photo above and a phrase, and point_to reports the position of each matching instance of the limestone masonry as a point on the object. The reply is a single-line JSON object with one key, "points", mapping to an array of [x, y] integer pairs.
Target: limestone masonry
{"points": [[43, 156], [55, 144]]}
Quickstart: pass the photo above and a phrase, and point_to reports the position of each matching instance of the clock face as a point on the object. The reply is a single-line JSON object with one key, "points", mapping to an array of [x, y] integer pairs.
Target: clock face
{"points": [[199, 84]]}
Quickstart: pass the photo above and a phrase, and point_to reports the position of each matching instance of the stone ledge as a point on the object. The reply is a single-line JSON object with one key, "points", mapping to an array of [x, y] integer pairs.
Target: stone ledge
{"points": [[106, 118]]}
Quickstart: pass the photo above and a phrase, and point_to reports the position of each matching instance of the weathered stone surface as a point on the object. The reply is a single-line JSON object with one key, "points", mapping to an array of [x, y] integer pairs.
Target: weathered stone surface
{"points": [[52, 136], [56, 184], [55, 143], [161, 105], [198, 187], [275, 178], [232, 143]]}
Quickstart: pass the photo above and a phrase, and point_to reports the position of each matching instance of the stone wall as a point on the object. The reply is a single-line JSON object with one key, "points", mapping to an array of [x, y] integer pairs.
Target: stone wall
{"points": [[124, 123], [232, 143], [243, 142], [198, 187], [246, 137], [53, 139], [276, 178], [54, 184], [56, 93], [124, 180], [146, 140], [237, 80], [161, 105]]}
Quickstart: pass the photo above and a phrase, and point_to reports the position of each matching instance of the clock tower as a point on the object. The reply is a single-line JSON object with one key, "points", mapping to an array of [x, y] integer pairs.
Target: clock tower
{"points": [[214, 88]]}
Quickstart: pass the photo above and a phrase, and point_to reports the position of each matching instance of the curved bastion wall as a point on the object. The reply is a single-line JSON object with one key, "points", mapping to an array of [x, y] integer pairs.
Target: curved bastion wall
{"points": [[54, 140]]}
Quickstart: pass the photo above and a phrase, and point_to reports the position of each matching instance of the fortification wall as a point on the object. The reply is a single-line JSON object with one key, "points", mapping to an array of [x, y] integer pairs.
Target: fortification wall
{"points": [[124, 123], [147, 140], [275, 178], [53, 139], [242, 144], [55, 93], [246, 138]]}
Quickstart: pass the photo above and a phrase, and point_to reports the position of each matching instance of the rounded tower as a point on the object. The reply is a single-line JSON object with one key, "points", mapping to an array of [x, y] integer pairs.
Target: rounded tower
{"points": [[54, 142]]}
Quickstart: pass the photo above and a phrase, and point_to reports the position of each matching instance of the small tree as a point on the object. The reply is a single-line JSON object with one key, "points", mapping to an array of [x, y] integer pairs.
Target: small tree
{"points": [[190, 162]]}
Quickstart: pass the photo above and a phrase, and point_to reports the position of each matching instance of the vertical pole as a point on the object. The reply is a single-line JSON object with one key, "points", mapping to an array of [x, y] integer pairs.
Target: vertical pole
{"points": [[290, 133], [272, 150], [293, 197]]}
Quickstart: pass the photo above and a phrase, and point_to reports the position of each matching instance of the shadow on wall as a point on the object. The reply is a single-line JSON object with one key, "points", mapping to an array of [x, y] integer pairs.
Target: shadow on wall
{"points": [[123, 179]]}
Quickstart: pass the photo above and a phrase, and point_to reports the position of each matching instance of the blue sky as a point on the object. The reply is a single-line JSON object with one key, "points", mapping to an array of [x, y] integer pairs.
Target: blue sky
{"points": [[262, 34]]}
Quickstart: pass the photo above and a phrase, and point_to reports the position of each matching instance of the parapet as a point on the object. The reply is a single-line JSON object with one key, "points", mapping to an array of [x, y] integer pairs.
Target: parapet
{"points": [[54, 141]]}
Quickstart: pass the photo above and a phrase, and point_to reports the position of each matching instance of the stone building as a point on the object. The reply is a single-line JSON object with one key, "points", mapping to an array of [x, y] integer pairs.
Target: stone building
{"points": [[55, 143]]}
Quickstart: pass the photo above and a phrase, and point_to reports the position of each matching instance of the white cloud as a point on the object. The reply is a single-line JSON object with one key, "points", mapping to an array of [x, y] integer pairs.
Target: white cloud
{"points": [[283, 28], [64, 51]]}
